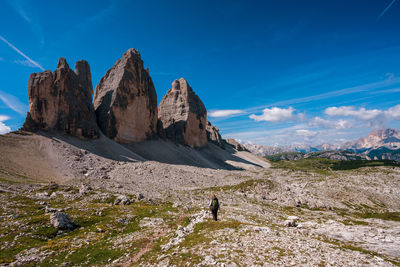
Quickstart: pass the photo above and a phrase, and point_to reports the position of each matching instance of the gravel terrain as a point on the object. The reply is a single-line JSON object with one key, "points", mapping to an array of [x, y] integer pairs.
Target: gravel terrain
{"points": [[127, 211]]}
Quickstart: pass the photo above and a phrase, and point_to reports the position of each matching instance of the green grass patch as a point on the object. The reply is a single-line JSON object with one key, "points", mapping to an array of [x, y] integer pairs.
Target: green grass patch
{"points": [[201, 229], [285, 156], [46, 231], [321, 166], [246, 185], [388, 216], [199, 236], [35, 231], [10, 177], [327, 166], [348, 221]]}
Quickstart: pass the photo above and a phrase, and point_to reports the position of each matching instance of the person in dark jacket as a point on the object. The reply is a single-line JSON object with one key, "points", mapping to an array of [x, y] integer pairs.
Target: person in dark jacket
{"points": [[214, 206]]}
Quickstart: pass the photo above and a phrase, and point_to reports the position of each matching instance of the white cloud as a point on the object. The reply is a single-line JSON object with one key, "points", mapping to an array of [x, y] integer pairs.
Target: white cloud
{"points": [[369, 87], [4, 118], [276, 114], [4, 128], [327, 124], [376, 118], [224, 113], [361, 113], [13, 103], [394, 112]]}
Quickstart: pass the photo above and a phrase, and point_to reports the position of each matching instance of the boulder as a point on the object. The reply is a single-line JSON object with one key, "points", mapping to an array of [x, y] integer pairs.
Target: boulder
{"points": [[291, 221], [62, 221], [125, 101], [151, 222], [61, 101], [183, 116], [84, 189], [213, 135], [122, 200]]}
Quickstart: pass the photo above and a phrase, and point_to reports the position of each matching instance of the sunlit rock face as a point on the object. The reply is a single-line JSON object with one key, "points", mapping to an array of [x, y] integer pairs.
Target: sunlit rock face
{"points": [[213, 135], [125, 101], [62, 101], [183, 116]]}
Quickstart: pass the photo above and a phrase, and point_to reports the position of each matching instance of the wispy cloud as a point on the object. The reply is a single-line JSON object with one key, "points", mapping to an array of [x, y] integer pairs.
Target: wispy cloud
{"points": [[4, 128], [306, 133], [21, 53], [300, 134], [224, 113], [341, 92], [361, 113], [385, 10], [370, 88], [25, 63], [282, 136], [327, 124], [13, 103]]}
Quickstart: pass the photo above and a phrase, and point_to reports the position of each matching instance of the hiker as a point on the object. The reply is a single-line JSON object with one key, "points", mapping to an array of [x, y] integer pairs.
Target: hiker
{"points": [[214, 206]]}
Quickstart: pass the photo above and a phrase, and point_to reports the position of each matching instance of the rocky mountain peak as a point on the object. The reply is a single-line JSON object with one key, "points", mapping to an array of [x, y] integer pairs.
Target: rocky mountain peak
{"points": [[125, 101], [82, 70], [61, 101], [124, 105], [183, 116], [62, 63], [181, 85], [382, 134], [132, 52]]}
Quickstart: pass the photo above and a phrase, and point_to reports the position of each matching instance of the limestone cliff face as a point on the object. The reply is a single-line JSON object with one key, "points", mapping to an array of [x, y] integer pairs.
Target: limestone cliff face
{"points": [[183, 116], [125, 101], [124, 105], [213, 135], [61, 101], [82, 69]]}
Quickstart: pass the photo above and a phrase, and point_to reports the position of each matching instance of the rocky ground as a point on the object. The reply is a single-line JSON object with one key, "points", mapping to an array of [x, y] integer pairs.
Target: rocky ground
{"points": [[154, 214]]}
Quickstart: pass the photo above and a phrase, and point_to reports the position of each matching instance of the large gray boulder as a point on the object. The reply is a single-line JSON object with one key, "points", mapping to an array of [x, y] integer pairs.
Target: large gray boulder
{"points": [[183, 116], [125, 101], [62, 221], [61, 101]]}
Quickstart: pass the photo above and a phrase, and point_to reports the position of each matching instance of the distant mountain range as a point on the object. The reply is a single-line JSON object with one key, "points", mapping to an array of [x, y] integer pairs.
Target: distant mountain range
{"points": [[379, 144]]}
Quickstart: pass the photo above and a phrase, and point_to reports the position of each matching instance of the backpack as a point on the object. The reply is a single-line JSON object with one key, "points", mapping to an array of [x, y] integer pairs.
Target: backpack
{"points": [[214, 204]]}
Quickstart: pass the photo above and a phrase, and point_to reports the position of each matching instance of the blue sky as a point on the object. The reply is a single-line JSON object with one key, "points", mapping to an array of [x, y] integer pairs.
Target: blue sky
{"points": [[269, 72]]}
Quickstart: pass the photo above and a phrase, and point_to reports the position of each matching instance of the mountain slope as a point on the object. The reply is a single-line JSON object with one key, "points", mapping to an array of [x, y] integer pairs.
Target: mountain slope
{"points": [[57, 157]]}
